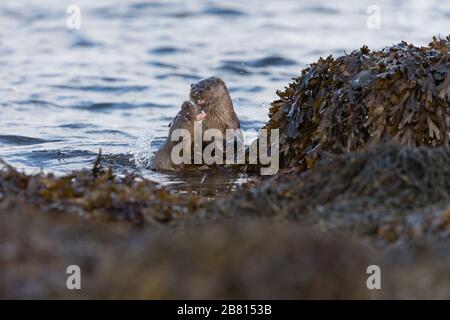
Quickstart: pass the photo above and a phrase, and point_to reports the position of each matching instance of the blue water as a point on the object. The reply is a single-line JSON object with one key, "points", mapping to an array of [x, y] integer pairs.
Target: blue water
{"points": [[116, 82]]}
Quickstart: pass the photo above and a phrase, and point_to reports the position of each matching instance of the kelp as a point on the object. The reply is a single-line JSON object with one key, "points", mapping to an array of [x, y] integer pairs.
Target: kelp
{"points": [[98, 194], [339, 105]]}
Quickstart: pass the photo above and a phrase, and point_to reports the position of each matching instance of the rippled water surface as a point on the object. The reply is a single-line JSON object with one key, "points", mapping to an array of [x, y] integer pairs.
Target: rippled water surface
{"points": [[116, 83]]}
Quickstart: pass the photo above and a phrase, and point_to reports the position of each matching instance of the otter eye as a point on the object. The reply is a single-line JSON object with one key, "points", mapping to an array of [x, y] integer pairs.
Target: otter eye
{"points": [[192, 85]]}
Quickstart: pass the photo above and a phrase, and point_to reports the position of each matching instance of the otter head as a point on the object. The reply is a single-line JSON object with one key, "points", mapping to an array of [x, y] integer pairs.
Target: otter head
{"points": [[210, 93], [185, 118]]}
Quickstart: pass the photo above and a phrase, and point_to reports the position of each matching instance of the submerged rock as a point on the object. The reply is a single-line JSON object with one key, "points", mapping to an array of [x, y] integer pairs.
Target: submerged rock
{"points": [[363, 98]]}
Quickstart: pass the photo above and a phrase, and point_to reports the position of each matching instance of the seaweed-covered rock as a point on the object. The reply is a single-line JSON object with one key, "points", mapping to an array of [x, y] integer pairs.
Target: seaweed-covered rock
{"points": [[401, 92]]}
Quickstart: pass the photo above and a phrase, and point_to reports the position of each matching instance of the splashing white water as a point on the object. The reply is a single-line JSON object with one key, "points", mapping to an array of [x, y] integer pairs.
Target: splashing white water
{"points": [[141, 149]]}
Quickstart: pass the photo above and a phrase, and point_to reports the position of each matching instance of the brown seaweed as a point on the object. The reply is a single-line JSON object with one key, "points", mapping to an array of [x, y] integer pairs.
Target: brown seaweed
{"points": [[387, 192], [338, 105], [98, 194]]}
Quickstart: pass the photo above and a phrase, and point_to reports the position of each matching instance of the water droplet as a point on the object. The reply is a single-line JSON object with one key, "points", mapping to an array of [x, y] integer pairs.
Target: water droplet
{"points": [[242, 64]]}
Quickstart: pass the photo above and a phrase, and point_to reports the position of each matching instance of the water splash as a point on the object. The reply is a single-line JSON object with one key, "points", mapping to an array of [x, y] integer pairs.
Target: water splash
{"points": [[141, 150]]}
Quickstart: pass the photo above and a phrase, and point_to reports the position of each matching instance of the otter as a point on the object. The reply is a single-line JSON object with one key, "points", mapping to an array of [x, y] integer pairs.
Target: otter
{"points": [[212, 96], [210, 102], [185, 118]]}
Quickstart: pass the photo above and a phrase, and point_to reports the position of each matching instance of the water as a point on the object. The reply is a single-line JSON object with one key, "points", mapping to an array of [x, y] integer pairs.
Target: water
{"points": [[117, 82]]}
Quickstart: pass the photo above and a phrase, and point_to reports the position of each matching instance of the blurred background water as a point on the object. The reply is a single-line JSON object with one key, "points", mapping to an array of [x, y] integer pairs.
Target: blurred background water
{"points": [[116, 82]]}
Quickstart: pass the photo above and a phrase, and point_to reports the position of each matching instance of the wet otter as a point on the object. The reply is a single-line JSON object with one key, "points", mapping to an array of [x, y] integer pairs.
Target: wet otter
{"points": [[210, 103], [183, 120], [211, 94]]}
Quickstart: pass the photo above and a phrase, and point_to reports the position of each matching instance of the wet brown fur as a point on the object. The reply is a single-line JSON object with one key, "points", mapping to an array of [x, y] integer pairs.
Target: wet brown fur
{"points": [[183, 120], [219, 111], [218, 105]]}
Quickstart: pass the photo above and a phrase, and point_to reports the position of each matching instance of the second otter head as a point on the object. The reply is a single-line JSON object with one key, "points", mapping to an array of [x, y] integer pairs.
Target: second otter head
{"points": [[185, 118], [209, 92]]}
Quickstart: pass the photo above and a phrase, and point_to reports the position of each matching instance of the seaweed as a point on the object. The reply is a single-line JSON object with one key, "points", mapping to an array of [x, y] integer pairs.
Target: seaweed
{"points": [[387, 192], [253, 260], [216, 261], [400, 93], [99, 195]]}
